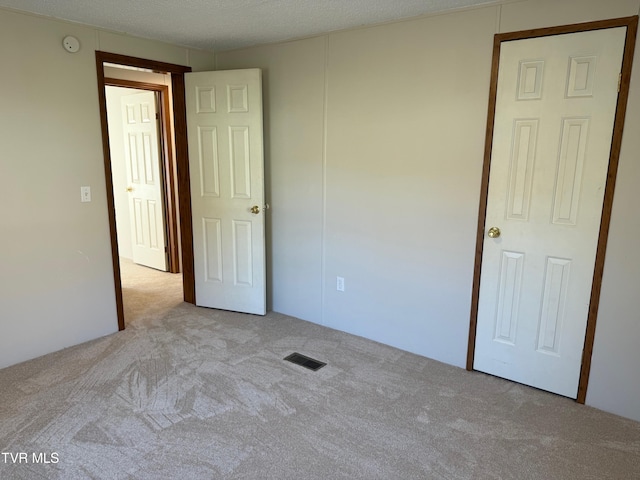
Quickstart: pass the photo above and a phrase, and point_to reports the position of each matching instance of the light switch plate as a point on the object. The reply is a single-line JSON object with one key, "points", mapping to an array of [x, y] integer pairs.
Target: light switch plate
{"points": [[85, 194]]}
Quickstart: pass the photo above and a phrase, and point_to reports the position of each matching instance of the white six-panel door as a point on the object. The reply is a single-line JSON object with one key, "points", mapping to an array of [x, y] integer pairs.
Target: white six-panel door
{"points": [[224, 125], [555, 108], [142, 154]]}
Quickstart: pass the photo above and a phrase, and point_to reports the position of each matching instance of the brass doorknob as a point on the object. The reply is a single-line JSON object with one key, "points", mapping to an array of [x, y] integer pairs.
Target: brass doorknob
{"points": [[494, 232], [129, 189], [255, 209]]}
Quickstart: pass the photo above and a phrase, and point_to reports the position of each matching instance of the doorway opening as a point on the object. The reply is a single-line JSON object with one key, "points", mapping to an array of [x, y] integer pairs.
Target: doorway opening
{"points": [[173, 173], [143, 169]]}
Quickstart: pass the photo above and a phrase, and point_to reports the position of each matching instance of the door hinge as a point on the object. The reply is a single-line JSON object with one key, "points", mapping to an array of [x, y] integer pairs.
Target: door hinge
{"points": [[157, 116], [619, 81]]}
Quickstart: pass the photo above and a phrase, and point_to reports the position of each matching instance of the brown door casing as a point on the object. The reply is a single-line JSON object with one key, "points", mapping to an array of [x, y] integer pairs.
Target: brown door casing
{"points": [[182, 168], [632, 25]]}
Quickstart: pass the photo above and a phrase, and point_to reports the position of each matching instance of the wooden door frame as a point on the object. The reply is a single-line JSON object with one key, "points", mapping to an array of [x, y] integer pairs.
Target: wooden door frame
{"points": [[167, 170], [632, 25], [182, 167]]}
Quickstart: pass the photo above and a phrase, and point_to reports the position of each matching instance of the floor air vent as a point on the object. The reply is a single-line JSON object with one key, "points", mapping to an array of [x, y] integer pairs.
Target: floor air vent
{"points": [[304, 361]]}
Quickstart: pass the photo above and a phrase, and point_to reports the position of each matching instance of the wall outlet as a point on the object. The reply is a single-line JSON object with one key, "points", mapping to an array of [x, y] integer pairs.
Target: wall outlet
{"points": [[340, 284], [85, 194]]}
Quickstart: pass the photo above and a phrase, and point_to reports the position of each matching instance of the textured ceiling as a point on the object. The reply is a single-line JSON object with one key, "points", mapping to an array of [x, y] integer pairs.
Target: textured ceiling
{"points": [[229, 24]]}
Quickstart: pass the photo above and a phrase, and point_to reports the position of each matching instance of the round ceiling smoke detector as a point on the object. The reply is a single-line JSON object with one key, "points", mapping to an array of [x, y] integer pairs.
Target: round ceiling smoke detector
{"points": [[71, 44]]}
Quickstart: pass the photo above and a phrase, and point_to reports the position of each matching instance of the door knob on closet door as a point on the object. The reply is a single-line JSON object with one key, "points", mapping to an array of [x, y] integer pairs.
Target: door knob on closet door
{"points": [[494, 232], [255, 209]]}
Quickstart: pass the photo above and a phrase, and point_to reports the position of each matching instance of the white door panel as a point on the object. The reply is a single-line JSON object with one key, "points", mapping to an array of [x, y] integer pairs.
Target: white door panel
{"points": [[142, 154], [555, 109], [224, 124]]}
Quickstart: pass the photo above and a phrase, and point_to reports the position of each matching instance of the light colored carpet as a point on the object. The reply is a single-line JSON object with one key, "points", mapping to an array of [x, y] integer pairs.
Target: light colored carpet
{"points": [[190, 393]]}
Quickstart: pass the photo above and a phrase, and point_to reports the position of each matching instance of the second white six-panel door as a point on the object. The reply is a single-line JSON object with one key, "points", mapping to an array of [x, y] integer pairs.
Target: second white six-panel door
{"points": [[555, 109], [142, 154]]}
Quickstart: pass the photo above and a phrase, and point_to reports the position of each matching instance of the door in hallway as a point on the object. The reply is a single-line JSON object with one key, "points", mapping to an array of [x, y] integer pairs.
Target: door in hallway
{"points": [[142, 154]]}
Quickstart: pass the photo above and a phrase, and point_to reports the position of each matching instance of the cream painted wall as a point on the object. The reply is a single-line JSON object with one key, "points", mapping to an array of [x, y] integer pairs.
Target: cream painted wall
{"points": [[403, 157], [56, 280], [376, 141]]}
